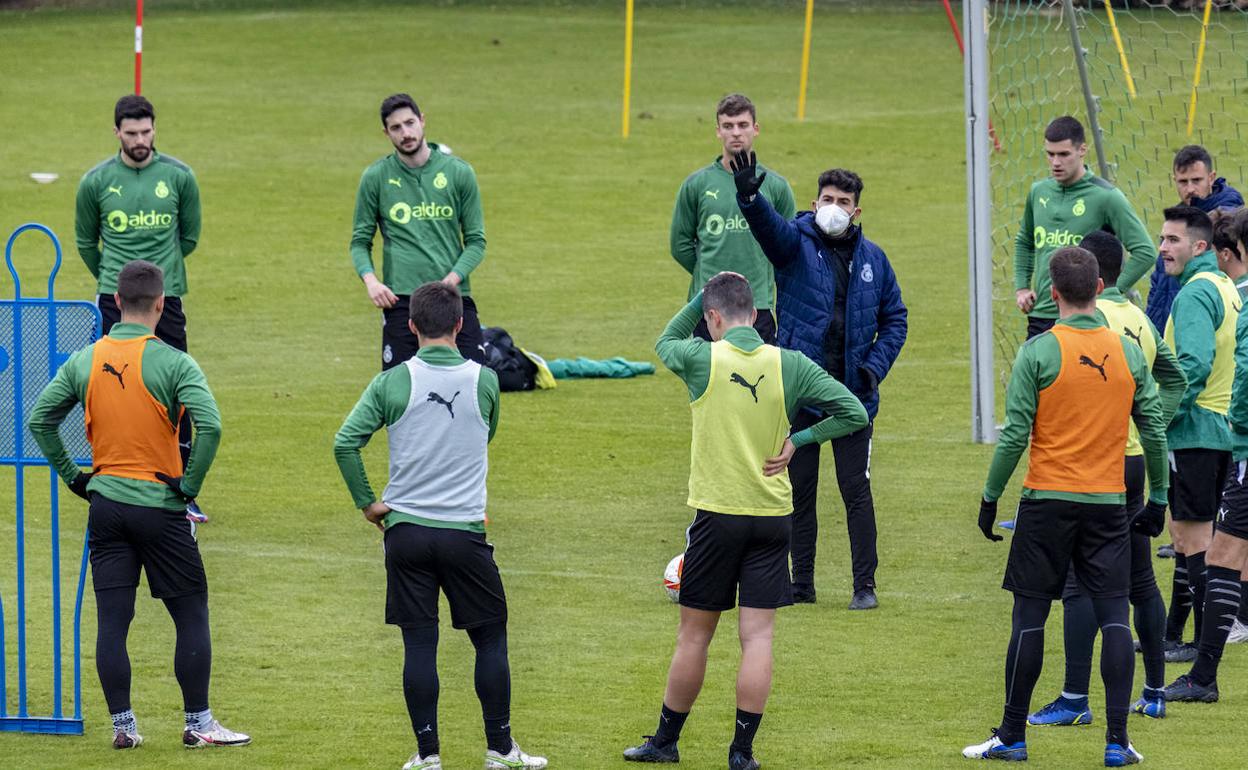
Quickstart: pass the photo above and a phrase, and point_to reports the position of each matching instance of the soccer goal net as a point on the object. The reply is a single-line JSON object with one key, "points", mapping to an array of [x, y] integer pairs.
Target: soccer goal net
{"points": [[1145, 78]]}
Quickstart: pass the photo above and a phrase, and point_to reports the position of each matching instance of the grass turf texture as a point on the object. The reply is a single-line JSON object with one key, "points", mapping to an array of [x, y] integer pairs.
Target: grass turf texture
{"points": [[276, 111]]}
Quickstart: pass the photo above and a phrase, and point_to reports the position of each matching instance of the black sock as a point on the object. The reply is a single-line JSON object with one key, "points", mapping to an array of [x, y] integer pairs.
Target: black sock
{"points": [[743, 739], [493, 682], [1079, 632], [1150, 626], [670, 725], [420, 685], [192, 654], [1117, 665], [114, 609], [1243, 602], [1180, 600], [1196, 580], [1023, 662], [1221, 607]]}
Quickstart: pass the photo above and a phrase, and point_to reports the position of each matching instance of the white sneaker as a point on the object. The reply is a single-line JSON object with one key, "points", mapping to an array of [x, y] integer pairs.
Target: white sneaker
{"points": [[127, 740], [215, 735], [993, 748], [417, 762], [513, 760], [1239, 633]]}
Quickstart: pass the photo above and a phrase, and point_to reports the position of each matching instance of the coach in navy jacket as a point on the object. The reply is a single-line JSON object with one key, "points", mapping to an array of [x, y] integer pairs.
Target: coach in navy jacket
{"points": [[839, 303]]}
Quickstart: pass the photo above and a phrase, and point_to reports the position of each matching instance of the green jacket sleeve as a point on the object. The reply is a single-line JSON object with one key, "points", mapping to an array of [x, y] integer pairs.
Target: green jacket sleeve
{"points": [[1171, 383], [1135, 239], [684, 233], [87, 225], [56, 401], [471, 223], [1146, 410], [1238, 413], [364, 224], [185, 384], [190, 218], [688, 358], [784, 203], [1197, 315], [1021, 397], [817, 389], [382, 403], [1024, 249], [488, 398]]}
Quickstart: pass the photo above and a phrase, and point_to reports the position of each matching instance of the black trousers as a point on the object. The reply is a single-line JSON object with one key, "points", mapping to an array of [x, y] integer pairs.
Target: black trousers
{"points": [[1038, 326], [853, 476], [171, 330], [399, 344], [765, 325]]}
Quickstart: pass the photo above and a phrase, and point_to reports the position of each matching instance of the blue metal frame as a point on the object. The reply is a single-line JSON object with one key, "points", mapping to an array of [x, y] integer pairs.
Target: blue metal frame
{"points": [[57, 722]]}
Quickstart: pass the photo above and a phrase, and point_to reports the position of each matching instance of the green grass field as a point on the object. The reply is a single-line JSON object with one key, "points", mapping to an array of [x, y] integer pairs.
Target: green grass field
{"points": [[275, 108]]}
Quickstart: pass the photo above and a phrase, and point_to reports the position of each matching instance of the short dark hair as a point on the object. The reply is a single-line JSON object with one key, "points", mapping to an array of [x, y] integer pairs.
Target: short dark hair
{"points": [[1199, 226], [1224, 231], [139, 285], [843, 180], [735, 104], [435, 308], [730, 294], [132, 107], [1064, 128], [1193, 153], [1074, 272], [1240, 225], [397, 102], [1107, 249]]}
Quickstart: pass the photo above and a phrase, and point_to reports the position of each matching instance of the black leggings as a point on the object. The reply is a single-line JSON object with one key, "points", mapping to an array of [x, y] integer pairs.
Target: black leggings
{"points": [[192, 657]]}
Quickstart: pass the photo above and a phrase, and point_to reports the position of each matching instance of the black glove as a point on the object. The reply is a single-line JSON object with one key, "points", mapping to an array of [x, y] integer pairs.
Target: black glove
{"points": [[79, 485], [1150, 520], [745, 175], [987, 518], [175, 483], [869, 381]]}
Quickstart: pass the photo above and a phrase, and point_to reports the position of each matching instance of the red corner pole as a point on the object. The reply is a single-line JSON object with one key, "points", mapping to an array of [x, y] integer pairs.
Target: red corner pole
{"points": [[138, 47], [957, 35]]}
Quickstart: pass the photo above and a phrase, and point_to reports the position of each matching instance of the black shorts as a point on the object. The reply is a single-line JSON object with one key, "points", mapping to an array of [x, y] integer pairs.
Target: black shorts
{"points": [[726, 552], [765, 325], [124, 538], [1197, 477], [420, 560], [399, 344], [1233, 512], [170, 329], [1038, 326], [1052, 536]]}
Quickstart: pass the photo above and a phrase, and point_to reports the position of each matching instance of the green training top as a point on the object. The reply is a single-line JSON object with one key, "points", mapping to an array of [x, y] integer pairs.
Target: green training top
{"points": [[1055, 216], [384, 401], [1036, 367], [173, 378], [147, 213], [430, 220], [1196, 314], [1238, 413], [709, 235], [806, 384]]}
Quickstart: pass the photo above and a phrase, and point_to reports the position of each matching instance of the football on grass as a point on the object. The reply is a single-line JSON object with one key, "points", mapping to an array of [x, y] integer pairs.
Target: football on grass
{"points": [[671, 577]]}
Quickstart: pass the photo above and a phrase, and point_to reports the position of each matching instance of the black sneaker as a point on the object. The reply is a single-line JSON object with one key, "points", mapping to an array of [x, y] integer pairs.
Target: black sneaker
{"points": [[739, 760], [1186, 689], [864, 600], [1165, 551], [652, 752], [1179, 652], [803, 593]]}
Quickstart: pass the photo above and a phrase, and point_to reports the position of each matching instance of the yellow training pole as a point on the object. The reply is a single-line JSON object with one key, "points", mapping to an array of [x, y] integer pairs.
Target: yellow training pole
{"points": [[1122, 54], [628, 62], [1200, 63], [801, 89]]}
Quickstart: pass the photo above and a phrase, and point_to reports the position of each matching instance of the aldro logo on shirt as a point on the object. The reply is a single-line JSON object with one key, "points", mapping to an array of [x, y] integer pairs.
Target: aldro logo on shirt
{"points": [[716, 225], [119, 221], [402, 213], [1055, 238]]}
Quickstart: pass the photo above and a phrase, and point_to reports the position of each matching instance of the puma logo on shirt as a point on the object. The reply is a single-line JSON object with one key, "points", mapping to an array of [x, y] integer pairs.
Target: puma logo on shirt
{"points": [[437, 399], [752, 388], [108, 369], [1085, 361], [1135, 335]]}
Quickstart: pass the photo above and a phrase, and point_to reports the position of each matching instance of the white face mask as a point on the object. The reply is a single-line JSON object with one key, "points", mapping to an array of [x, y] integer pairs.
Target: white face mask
{"points": [[832, 219]]}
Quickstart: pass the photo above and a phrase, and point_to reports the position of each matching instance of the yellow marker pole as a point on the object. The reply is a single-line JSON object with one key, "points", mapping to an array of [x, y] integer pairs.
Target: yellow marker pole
{"points": [[1200, 63], [628, 62], [1122, 54], [801, 89]]}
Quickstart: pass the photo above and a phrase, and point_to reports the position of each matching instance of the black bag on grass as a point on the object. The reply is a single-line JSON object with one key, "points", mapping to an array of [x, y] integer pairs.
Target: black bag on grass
{"points": [[514, 369]]}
